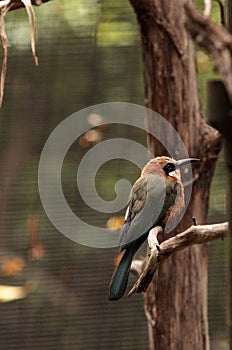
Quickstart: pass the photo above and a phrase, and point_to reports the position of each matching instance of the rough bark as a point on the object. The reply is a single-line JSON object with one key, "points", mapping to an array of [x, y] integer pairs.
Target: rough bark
{"points": [[177, 298]]}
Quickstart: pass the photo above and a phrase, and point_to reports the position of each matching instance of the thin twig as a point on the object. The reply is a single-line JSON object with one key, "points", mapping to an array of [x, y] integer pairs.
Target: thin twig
{"points": [[222, 12], [3, 11], [31, 16], [5, 6], [208, 6]]}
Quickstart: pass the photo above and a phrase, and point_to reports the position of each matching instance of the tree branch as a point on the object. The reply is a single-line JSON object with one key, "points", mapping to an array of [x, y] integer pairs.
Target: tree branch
{"points": [[16, 4], [222, 12], [208, 7], [214, 39], [5, 7], [159, 253]]}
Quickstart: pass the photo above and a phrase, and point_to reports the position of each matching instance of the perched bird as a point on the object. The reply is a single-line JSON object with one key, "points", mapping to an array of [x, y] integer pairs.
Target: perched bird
{"points": [[155, 197]]}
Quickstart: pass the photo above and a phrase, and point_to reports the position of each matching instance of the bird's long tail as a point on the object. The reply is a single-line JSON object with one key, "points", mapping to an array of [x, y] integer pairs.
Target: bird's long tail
{"points": [[121, 273]]}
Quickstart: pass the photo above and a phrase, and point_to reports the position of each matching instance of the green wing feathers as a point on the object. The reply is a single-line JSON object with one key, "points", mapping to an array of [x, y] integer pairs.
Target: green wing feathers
{"points": [[149, 203]]}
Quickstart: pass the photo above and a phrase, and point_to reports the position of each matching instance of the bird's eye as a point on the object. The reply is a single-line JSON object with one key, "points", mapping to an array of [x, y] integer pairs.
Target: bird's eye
{"points": [[169, 167]]}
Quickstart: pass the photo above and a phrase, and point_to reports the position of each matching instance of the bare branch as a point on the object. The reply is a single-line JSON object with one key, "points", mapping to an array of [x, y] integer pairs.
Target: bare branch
{"points": [[158, 254], [9, 5], [16, 4], [4, 8], [216, 40], [31, 16], [208, 6], [222, 12]]}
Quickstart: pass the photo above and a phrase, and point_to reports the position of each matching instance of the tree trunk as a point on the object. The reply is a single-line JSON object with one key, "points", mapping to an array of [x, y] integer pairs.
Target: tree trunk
{"points": [[176, 301]]}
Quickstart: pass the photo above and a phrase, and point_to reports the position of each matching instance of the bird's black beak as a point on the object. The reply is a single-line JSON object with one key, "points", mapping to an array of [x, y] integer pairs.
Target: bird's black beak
{"points": [[182, 162]]}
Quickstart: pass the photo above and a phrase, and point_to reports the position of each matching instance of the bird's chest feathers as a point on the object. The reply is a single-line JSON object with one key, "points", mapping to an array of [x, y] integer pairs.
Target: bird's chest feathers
{"points": [[170, 199], [171, 193]]}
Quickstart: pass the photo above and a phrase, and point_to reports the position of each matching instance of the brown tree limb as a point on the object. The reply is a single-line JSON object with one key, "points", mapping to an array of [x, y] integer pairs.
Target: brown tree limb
{"points": [[216, 40], [159, 253], [177, 297]]}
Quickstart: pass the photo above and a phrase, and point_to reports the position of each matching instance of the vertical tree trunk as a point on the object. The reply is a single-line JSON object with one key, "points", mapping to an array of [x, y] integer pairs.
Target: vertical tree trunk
{"points": [[176, 301]]}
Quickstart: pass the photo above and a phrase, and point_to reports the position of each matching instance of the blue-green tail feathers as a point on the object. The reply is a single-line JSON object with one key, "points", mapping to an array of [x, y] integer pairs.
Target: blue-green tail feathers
{"points": [[120, 276]]}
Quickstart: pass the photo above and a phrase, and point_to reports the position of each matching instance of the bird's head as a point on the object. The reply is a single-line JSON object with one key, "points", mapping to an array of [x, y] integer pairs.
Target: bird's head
{"points": [[166, 166]]}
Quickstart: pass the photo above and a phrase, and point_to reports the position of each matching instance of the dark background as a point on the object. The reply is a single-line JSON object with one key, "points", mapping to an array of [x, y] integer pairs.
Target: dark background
{"points": [[89, 53]]}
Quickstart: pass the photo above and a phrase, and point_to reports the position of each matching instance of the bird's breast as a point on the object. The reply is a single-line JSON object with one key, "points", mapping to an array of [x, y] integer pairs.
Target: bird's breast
{"points": [[174, 200]]}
